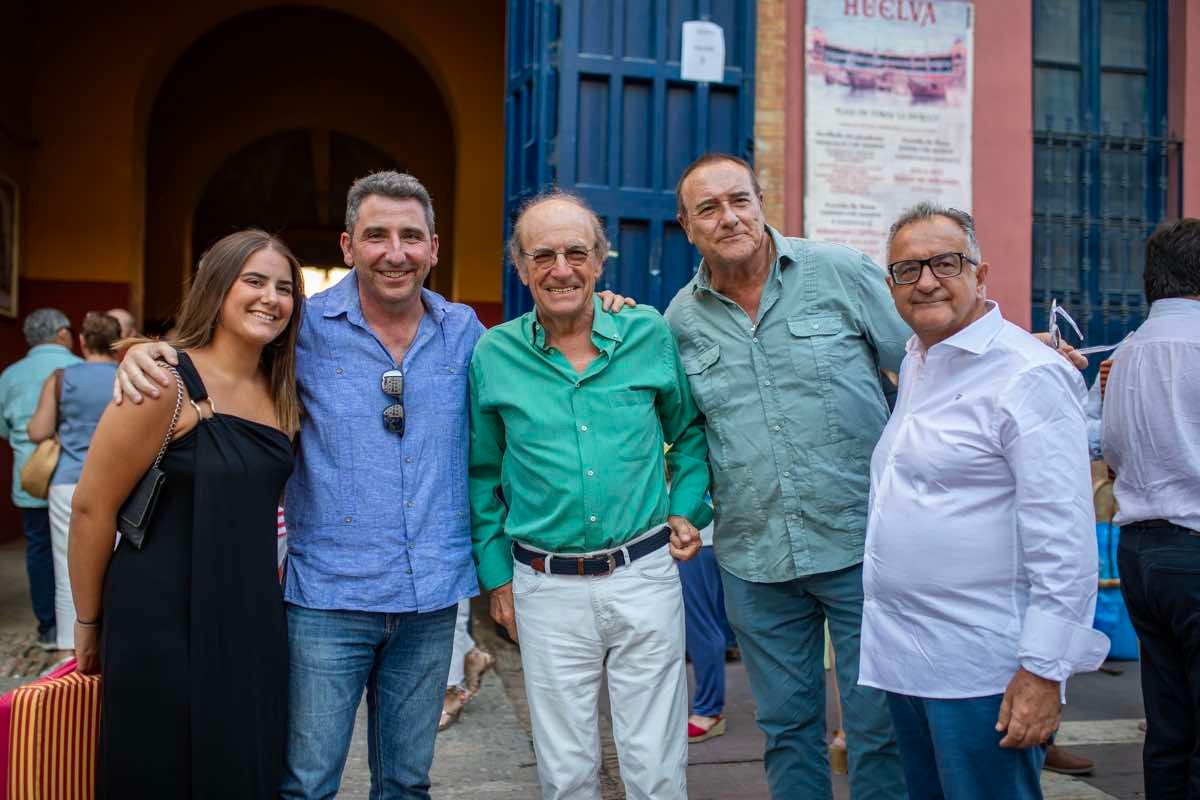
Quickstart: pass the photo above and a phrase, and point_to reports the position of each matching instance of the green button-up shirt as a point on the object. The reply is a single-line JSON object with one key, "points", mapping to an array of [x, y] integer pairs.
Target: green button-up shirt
{"points": [[793, 405], [20, 390], [578, 457]]}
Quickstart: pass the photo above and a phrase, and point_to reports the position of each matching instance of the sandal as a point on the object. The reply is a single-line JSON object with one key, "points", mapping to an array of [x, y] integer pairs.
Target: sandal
{"points": [[475, 664], [452, 706]]}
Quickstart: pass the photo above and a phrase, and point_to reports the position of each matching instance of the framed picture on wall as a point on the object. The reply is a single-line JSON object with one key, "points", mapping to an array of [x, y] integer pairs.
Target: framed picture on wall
{"points": [[9, 225]]}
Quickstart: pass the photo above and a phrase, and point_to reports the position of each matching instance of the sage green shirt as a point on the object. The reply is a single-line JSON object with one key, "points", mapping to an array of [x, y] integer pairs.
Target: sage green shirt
{"points": [[578, 457], [793, 406]]}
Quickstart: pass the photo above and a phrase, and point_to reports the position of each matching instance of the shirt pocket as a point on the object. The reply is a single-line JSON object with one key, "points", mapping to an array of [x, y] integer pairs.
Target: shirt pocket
{"points": [[635, 424], [706, 378], [818, 344]]}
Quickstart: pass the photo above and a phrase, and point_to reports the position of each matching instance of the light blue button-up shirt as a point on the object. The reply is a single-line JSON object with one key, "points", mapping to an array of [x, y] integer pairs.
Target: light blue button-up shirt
{"points": [[20, 388], [378, 521], [794, 405]]}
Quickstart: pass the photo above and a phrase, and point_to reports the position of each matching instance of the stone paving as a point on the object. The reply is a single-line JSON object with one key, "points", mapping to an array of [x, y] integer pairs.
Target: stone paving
{"points": [[488, 754]]}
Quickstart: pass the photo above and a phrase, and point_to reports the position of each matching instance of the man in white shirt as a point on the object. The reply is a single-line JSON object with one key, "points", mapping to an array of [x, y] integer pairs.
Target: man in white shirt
{"points": [[980, 570], [1151, 438]]}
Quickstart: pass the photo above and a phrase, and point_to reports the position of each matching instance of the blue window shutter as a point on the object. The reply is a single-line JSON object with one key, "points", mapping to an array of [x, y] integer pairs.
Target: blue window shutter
{"points": [[595, 105]]}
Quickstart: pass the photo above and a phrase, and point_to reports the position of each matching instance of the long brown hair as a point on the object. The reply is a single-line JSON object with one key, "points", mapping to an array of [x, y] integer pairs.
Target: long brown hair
{"points": [[201, 311]]}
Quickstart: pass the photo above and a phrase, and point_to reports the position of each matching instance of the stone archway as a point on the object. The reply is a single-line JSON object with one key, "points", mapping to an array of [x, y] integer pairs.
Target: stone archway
{"points": [[266, 120]]}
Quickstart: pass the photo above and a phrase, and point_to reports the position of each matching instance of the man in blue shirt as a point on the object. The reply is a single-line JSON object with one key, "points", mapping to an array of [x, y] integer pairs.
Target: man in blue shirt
{"points": [[378, 522], [48, 332]]}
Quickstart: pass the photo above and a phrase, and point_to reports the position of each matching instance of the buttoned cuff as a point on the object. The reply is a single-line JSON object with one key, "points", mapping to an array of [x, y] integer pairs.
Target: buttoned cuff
{"points": [[495, 563], [1055, 649]]}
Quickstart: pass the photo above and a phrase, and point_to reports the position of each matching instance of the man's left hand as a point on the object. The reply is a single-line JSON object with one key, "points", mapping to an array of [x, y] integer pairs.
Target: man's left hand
{"points": [[613, 302], [685, 539], [1065, 350], [1030, 711]]}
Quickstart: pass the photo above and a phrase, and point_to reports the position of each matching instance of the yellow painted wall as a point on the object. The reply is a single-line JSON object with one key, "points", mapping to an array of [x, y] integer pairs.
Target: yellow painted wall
{"points": [[98, 72]]}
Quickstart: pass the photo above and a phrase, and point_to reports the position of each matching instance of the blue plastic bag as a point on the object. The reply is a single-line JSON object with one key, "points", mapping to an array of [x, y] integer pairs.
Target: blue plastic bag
{"points": [[1112, 618]]}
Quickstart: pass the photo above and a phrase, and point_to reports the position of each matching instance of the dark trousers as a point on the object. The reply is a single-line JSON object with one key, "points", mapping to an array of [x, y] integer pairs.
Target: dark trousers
{"points": [[1160, 579], [39, 564], [706, 629]]}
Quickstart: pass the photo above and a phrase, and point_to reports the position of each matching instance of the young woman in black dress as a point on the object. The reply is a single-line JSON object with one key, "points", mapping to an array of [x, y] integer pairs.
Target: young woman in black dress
{"points": [[188, 632]]}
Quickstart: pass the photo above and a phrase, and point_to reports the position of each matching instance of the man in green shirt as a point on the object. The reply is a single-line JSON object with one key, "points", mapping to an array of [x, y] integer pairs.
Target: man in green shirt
{"points": [[783, 341], [575, 531]]}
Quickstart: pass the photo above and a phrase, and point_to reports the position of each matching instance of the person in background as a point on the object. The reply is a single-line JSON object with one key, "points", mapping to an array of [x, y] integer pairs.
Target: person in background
{"points": [[72, 413], [467, 665], [1150, 433], [708, 639], [48, 332], [122, 316]]}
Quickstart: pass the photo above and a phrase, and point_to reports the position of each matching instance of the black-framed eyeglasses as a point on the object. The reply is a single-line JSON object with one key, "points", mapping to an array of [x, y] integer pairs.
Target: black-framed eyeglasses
{"points": [[392, 384], [545, 258], [943, 265]]}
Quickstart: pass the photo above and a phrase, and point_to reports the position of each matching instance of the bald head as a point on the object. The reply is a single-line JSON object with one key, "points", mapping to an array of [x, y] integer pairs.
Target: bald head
{"points": [[123, 316]]}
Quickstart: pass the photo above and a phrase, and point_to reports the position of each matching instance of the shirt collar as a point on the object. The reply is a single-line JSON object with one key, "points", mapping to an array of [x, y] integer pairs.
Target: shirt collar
{"points": [[785, 253], [342, 298], [975, 338], [48, 347], [1175, 306], [604, 325]]}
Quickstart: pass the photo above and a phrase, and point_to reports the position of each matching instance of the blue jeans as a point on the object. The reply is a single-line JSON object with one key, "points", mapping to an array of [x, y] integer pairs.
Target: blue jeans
{"points": [[39, 565], [951, 751], [780, 629], [707, 630], [402, 660]]}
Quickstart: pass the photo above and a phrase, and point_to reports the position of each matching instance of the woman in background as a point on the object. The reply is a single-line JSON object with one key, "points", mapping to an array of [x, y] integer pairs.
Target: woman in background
{"points": [[71, 412]]}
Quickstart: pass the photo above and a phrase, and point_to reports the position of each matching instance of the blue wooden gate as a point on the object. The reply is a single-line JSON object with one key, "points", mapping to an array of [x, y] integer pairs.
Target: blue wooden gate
{"points": [[595, 104]]}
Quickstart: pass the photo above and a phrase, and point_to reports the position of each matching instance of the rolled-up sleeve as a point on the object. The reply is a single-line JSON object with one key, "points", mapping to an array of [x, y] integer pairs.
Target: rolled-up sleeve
{"points": [[1042, 430]]}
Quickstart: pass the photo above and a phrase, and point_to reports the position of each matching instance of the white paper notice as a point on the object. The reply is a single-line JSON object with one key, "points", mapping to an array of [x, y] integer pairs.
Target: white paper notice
{"points": [[703, 52]]}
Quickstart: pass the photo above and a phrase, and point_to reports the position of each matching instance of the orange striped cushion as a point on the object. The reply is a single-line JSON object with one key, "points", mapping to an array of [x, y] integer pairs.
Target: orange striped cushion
{"points": [[54, 729]]}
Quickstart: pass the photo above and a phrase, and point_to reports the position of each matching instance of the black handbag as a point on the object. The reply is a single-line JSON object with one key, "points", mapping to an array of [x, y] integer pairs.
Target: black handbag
{"points": [[134, 517]]}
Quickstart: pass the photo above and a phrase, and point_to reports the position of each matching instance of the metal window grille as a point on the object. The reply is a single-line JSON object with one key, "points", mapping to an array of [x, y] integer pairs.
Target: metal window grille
{"points": [[1106, 172]]}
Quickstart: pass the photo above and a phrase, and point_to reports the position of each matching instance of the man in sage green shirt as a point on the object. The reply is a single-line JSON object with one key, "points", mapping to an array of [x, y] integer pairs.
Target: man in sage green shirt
{"points": [[575, 531], [783, 341]]}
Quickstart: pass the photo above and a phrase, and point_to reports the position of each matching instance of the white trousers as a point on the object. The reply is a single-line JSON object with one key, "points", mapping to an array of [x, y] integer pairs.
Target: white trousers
{"points": [[60, 525], [629, 625], [462, 645]]}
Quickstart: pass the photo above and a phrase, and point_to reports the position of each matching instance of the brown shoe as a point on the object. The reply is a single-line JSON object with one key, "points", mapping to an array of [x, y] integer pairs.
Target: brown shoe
{"points": [[452, 706], [475, 663], [1065, 762]]}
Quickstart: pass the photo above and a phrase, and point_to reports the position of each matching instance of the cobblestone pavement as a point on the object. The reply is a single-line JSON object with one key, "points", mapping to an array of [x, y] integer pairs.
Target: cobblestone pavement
{"points": [[488, 754]]}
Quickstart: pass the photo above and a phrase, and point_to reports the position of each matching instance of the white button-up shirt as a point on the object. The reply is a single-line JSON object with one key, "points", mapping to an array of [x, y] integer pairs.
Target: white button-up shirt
{"points": [[981, 549], [1151, 425]]}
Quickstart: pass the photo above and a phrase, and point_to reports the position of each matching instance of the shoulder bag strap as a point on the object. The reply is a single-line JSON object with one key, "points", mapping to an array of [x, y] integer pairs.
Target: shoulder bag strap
{"points": [[174, 417]]}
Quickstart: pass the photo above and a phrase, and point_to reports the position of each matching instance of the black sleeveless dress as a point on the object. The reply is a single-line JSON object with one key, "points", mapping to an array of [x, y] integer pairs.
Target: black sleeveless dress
{"points": [[193, 648]]}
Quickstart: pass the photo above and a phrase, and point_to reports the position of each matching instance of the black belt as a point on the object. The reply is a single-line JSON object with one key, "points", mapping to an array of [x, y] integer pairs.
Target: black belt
{"points": [[1153, 524], [594, 564]]}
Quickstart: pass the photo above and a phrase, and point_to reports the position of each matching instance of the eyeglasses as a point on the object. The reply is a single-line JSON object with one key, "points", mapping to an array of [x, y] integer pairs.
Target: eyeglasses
{"points": [[392, 383], [1058, 312], [546, 258], [943, 265]]}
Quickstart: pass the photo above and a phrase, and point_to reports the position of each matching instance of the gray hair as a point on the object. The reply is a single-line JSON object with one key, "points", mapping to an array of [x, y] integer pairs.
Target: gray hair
{"points": [[598, 233], [43, 325], [389, 183], [927, 210]]}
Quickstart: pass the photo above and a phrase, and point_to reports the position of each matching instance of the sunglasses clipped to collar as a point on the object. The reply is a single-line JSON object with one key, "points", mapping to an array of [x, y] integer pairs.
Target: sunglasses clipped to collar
{"points": [[392, 384]]}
